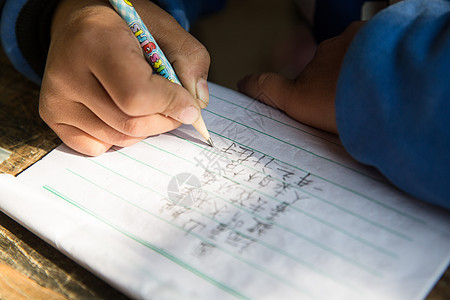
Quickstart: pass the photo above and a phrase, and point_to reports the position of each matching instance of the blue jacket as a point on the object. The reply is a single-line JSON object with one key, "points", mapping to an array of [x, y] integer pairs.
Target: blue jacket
{"points": [[393, 97], [393, 93]]}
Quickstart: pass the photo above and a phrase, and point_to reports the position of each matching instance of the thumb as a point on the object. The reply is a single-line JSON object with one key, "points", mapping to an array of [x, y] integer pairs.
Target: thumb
{"points": [[269, 88]]}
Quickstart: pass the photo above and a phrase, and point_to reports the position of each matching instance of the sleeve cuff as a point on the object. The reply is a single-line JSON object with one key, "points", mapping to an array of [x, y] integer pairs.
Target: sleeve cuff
{"points": [[25, 34]]}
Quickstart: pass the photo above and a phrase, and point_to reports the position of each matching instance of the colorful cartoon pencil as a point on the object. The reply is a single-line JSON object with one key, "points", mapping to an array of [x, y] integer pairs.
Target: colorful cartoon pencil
{"points": [[153, 52]]}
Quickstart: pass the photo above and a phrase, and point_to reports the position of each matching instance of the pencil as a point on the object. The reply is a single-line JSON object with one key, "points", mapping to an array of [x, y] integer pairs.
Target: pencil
{"points": [[153, 53]]}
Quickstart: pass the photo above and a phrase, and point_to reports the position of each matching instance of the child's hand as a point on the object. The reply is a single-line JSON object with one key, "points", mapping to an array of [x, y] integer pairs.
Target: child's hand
{"points": [[98, 90], [310, 98]]}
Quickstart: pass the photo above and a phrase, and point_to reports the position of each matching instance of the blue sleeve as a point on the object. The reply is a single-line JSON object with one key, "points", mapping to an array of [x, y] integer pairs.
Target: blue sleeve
{"points": [[10, 43], [25, 34], [393, 97]]}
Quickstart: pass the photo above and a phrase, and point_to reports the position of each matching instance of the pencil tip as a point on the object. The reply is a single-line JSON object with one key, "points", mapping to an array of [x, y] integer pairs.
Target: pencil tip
{"points": [[210, 142]]}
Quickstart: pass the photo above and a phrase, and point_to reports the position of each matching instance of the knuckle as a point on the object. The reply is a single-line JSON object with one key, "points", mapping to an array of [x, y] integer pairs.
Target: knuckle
{"points": [[131, 126], [123, 140], [128, 102], [262, 94], [264, 82], [89, 31], [193, 51], [267, 85], [82, 27], [200, 53], [192, 46], [262, 79], [120, 139], [129, 135], [201, 57]]}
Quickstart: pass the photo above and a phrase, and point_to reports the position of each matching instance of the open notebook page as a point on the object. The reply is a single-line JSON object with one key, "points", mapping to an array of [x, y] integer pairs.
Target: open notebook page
{"points": [[277, 210]]}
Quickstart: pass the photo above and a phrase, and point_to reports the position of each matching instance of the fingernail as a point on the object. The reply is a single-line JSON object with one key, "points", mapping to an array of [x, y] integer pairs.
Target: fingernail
{"points": [[189, 115], [203, 93]]}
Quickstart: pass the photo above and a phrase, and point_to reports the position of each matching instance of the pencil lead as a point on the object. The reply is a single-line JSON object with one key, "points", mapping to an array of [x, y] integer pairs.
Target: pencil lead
{"points": [[210, 142]]}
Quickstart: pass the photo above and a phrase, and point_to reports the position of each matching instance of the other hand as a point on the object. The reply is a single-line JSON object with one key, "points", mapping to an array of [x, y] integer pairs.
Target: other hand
{"points": [[310, 97]]}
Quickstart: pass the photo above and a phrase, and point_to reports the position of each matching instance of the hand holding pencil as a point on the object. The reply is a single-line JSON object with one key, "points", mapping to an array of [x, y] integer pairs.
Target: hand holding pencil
{"points": [[153, 53], [98, 89]]}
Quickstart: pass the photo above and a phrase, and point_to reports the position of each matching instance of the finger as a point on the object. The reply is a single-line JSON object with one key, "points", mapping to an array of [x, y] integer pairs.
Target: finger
{"points": [[188, 56], [117, 62], [99, 102], [79, 140], [132, 126], [306, 99], [82, 118], [269, 88]]}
